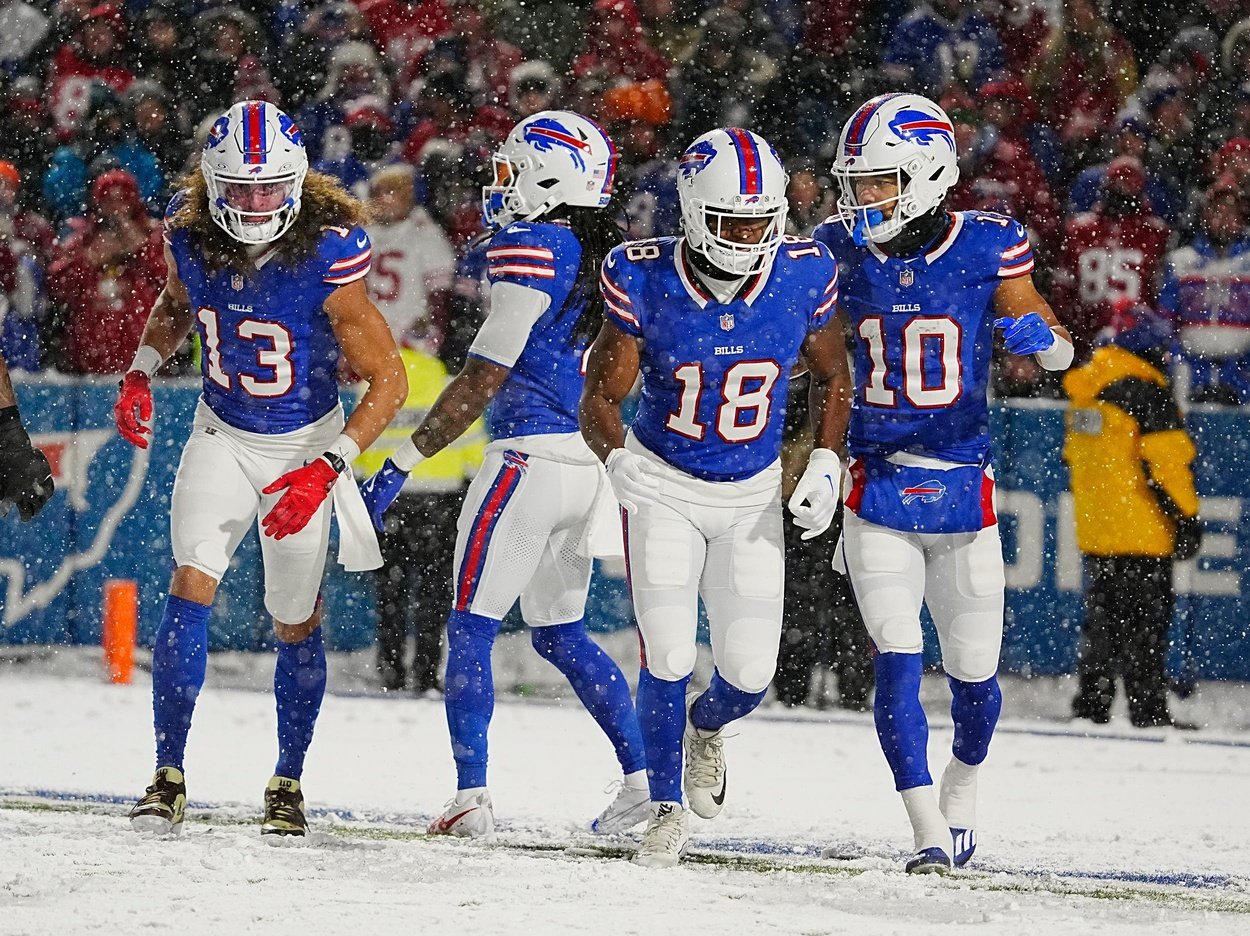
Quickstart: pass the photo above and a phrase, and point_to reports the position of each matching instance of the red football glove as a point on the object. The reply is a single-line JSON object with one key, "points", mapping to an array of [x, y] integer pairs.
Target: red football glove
{"points": [[306, 490], [133, 408]]}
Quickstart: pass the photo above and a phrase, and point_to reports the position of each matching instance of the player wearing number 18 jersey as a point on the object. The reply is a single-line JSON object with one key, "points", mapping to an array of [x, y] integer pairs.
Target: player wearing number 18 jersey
{"points": [[922, 288], [715, 321], [266, 260]]}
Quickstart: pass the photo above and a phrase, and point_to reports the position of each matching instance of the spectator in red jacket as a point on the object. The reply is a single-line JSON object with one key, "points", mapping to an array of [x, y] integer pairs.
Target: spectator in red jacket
{"points": [[616, 46], [1111, 256], [96, 52], [105, 278]]}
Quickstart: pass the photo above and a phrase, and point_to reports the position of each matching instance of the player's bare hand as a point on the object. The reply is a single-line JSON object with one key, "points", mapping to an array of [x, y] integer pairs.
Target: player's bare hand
{"points": [[815, 497], [134, 408], [304, 491], [631, 478]]}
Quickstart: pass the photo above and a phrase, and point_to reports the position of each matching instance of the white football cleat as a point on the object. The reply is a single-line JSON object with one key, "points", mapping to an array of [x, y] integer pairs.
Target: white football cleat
{"points": [[704, 775], [666, 839], [627, 809], [474, 818]]}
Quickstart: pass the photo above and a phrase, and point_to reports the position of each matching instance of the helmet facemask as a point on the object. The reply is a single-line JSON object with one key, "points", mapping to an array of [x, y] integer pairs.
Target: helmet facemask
{"points": [[707, 225], [241, 206], [877, 221]]}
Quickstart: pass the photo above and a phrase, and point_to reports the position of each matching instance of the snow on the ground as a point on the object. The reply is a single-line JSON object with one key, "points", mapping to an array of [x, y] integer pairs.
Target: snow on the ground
{"points": [[1111, 831]]}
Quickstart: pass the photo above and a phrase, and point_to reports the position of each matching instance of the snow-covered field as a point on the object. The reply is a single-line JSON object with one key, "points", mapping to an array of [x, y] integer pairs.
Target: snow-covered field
{"points": [[1113, 831]]}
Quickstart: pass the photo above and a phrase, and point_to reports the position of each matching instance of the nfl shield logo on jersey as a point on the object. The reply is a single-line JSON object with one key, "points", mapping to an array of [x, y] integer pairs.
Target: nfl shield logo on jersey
{"points": [[727, 322], [236, 282], [906, 277]]}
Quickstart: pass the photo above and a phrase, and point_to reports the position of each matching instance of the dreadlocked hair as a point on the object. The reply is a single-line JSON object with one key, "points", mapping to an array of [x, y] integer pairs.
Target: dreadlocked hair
{"points": [[598, 232], [323, 203]]}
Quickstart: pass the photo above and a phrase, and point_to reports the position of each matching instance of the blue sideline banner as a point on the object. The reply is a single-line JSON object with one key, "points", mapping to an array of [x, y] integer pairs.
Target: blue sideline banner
{"points": [[110, 519]]}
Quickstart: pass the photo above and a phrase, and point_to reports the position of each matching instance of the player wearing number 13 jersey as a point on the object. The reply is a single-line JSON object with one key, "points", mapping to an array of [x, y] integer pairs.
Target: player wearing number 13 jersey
{"points": [[267, 261], [924, 290], [715, 321]]}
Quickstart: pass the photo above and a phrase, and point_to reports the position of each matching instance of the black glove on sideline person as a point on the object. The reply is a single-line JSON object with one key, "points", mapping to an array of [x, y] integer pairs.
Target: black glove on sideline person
{"points": [[25, 475]]}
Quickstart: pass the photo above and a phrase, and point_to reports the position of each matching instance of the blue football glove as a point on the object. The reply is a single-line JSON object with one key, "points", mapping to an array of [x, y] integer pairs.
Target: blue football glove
{"points": [[1028, 334], [381, 490]]}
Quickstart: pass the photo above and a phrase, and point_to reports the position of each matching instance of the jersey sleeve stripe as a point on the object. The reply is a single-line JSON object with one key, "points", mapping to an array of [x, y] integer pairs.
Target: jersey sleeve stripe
{"points": [[344, 278], [826, 306], [623, 314], [1016, 251], [351, 261], [833, 285], [349, 270], [616, 291], [525, 253], [522, 269], [1018, 270]]}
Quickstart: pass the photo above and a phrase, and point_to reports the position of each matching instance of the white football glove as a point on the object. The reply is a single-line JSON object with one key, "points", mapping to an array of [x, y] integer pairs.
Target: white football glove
{"points": [[815, 498], [630, 477]]}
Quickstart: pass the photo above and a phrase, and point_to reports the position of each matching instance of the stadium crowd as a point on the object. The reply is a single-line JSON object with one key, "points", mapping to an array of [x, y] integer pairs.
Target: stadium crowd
{"points": [[1119, 133]]}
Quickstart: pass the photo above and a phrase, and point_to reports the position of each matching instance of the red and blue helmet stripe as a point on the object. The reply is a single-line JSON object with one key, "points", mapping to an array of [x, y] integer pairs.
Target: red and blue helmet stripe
{"points": [[861, 119], [750, 168], [255, 142]]}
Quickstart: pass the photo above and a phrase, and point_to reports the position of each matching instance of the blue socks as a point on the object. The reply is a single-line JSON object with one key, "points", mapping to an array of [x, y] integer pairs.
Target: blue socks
{"points": [[299, 684], [469, 693], [722, 703], [901, 724], [662, 716], [974, 709], [599, 685], [179, 659]]}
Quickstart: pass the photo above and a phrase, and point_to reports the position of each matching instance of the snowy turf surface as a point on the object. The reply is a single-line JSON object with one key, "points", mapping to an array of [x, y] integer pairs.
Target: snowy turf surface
{"points": [[1108, 832]]}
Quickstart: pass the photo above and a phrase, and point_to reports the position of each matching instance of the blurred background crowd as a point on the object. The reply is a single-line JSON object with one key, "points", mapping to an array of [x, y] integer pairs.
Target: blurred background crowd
{"points": [[1119, 133]]}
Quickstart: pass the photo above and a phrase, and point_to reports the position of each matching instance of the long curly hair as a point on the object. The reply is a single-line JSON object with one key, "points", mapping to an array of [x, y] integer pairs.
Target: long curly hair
{"points": [[323, 203]]}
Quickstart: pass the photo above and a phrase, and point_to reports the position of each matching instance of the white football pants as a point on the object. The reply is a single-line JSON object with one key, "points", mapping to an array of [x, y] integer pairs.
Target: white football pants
{"points": [[523, 533], [217, 498], [958, 575], [734, 558]]}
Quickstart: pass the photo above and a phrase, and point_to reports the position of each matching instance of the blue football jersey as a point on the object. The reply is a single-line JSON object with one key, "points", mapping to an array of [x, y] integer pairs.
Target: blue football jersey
{"points": [[268, 355], [541, 394], [715, 377], [924, 331]]}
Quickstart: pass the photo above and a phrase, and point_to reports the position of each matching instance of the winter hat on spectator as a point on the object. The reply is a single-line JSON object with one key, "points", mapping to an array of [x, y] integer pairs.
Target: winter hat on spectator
{"points": [[1231, 157], [368, 109], [531, 76], [119, 185], [1232, 49], [647, 101], [9, 173], [1014, 90], [1128, 172]]}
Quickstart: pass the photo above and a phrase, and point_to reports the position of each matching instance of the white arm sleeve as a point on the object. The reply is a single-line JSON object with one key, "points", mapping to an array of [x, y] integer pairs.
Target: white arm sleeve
{"points": [[513, 311]]}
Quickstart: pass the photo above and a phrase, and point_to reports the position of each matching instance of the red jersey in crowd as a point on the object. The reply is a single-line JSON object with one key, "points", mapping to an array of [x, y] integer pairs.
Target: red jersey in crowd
{"points": [[1106, 262]]}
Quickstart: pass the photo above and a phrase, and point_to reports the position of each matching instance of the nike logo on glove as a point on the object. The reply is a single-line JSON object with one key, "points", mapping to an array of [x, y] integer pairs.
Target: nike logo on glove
{"points": [[360, 242]]}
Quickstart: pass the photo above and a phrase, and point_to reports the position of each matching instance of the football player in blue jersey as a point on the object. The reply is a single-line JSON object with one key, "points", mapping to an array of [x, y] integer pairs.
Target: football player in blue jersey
{"points": [[924, 290], [267, 260], [537, 510], [715, 321]]}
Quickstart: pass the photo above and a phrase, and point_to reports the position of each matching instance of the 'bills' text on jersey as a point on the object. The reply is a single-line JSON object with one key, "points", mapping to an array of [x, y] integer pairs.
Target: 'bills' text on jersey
{"points": [[715, 377], [268, 354], [541, 394], [924, 331]]}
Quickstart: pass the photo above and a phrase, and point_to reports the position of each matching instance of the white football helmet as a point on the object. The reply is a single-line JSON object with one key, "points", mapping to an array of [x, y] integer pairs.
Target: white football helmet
{"points": [[254, 165], [901, 134], [727, 175], [549, 159]]}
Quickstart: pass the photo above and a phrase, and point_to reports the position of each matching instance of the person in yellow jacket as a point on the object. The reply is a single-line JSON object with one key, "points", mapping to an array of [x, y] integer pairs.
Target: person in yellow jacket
{"points": [[1136, 511], [419, 539]]}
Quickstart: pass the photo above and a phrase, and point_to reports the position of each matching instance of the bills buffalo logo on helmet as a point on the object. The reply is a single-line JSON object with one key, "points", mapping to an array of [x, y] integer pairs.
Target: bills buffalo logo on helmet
{"points": [[923, 128], [927, 493], [548, 135], [695, 160], [290, 130], [217, 132]]}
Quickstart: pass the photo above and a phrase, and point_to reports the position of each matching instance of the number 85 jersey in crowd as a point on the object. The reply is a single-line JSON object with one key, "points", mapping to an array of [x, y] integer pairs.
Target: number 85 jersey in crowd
{"points": [[715, 376], [268, 354], [924, 329]]}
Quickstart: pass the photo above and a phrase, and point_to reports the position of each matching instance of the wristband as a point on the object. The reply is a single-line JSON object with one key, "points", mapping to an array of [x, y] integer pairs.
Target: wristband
{"points": [[345, 449], [1058, 356], [406, 457], [147, 359]]}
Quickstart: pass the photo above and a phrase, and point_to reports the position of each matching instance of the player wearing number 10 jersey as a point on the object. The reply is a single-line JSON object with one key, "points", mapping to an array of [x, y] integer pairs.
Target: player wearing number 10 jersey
{"points": [[715, 321], [921, 287], [266, 259]]}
